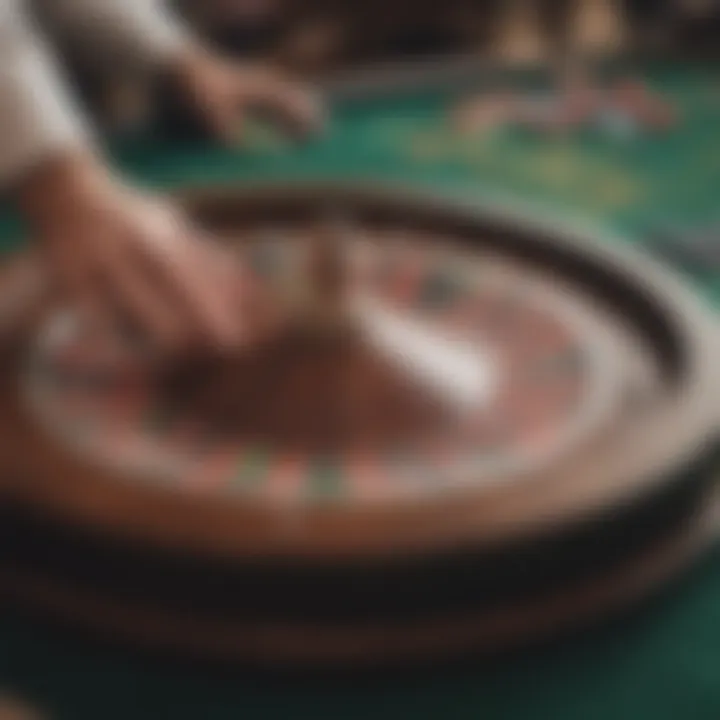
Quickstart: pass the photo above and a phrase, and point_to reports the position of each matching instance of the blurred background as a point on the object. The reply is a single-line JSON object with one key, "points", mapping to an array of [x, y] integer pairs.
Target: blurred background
{"points": [[606, 111], [327, 40], [321, 36]]}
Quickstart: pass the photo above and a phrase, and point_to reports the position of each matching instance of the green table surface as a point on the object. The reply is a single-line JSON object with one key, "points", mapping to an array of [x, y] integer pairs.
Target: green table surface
{"points": [[662, 662]]}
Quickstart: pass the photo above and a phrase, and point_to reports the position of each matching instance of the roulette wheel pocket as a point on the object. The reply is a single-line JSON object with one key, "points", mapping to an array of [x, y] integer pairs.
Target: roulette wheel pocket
{"points": [[473, 429]]}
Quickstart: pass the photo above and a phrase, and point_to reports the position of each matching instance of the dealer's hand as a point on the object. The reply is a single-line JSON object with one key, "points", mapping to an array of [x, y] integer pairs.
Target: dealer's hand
{"points": [[225, 92], [113, 249]]}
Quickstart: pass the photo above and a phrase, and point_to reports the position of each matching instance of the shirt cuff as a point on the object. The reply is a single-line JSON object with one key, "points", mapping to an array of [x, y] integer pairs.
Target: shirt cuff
{"points": [[37, 116]]}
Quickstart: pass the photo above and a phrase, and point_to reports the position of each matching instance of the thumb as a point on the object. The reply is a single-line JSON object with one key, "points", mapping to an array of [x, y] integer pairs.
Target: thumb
{"points": [[225, 118]]}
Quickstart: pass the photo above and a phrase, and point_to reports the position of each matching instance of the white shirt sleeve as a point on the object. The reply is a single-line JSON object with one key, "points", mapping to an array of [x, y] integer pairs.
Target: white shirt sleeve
{"points": [[37, 114], [134, 31]]}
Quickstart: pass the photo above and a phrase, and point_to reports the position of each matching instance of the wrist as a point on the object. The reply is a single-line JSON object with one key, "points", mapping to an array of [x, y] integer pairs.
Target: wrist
{"points": [[55, 186]]}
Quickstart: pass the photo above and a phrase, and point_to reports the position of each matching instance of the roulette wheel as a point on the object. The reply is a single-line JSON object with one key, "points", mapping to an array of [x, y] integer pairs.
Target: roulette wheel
{"points": [[462, 430]]}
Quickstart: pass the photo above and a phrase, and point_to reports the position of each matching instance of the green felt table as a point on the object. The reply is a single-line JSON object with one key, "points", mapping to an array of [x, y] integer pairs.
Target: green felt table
{"points": [[662, 662]]}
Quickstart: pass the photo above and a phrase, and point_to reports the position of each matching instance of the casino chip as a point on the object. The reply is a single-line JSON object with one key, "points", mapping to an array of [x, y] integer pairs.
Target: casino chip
{"points": [[621, 111], [643, 107], [465, 431]]}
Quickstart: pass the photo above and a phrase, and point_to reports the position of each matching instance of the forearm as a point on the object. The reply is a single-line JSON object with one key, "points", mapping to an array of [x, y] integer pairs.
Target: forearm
{"points": [[38, 117]]}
